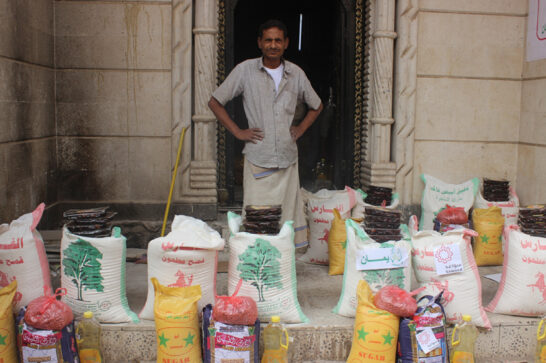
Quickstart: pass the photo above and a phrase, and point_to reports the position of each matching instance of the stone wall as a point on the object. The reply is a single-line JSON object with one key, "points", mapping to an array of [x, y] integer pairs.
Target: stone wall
{"points": [[532, 134], [113, 95], [469, 67], [27, 110]]}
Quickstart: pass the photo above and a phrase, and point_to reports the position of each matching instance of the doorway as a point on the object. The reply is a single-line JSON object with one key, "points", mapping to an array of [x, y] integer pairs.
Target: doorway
{"points": [[322, 43]]}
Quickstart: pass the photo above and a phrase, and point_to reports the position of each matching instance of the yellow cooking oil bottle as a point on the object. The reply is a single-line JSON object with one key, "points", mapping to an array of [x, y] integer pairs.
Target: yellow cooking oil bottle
{"points": [[88, 339], [274, 349], [541, 341], [463, 339]]}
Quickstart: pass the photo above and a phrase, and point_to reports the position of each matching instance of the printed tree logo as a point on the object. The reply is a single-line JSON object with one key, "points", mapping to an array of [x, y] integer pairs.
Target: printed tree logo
{"points": [[379, 278], [81, 261], [260, 266]]}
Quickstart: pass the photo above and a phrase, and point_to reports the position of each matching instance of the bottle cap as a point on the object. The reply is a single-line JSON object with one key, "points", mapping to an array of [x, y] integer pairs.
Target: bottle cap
{"points": [[467, 318], [88, 314], [275, 319]]}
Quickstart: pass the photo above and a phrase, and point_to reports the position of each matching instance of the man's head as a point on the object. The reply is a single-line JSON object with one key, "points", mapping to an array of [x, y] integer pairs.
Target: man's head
{"points": [[273, 41]]}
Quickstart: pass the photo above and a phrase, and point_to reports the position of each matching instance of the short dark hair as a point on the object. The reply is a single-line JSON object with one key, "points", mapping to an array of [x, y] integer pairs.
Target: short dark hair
{"points": [[272, 23]]}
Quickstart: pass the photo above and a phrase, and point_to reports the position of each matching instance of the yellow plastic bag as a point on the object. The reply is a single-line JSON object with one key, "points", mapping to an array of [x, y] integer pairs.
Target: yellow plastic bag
{"points": [[177, 323], [375, 334], [489, 224], [8, 346], [337, 242]]}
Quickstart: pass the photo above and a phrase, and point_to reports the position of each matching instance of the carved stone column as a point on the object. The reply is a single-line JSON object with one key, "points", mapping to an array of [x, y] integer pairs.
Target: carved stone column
{"points": [[198, 165], [378, 168], [203, 167], [405, 88]]}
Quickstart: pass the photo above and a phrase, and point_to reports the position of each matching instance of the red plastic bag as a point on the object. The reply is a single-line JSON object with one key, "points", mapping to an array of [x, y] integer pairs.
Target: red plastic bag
{"points": [[235, 310], [48, 313], [396, 300], [452, 215]]}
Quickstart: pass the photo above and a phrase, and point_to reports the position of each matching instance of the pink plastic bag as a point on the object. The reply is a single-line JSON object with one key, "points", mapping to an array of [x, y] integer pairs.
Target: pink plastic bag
{"points": [[396, 300], [48, 313], [235, 310], [452, 215]]}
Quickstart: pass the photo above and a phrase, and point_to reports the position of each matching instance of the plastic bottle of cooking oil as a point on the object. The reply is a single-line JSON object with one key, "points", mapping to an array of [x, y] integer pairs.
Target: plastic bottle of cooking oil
{"points": [[88, 339], [541, 341], [274, 349], [463, 340]]}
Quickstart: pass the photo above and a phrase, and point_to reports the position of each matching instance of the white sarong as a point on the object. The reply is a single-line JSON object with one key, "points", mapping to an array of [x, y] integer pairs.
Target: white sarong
{"points": [[274, 186]]}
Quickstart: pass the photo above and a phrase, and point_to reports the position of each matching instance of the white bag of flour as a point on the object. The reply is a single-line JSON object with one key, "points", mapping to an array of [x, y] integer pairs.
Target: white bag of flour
{"points": [[23, 258], [319, 211], [446, 262], [522, 289], [380, 264], [438, 194], [187, 256], [267, 266], [93, 274]]}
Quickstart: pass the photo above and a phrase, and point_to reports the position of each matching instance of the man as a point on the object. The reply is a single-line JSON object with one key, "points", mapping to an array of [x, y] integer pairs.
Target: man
{"points": [[271, 88]]}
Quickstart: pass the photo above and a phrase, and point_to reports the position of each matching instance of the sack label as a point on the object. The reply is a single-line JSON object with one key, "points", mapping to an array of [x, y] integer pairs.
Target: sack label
{"points": [[381, 258], [447, 259]]}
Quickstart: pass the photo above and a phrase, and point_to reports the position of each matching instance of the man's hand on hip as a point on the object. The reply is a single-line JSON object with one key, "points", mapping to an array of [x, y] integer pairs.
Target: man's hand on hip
{"points": [[253, 135], [296, 132]]}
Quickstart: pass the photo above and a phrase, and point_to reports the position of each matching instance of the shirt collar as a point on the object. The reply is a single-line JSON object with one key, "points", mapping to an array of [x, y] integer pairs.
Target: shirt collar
{"points": [[285, 64]]}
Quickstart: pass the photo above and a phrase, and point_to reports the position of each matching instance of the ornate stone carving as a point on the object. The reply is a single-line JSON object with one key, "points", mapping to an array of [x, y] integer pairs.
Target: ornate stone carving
{"points": [[181, 83], [405, 96], [378, 169]]}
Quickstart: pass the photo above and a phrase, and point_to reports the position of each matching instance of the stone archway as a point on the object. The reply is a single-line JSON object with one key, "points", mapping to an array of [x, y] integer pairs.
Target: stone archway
{"points": [[195, 25]]}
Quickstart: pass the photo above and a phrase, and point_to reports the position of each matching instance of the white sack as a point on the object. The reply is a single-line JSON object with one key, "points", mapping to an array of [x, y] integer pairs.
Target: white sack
{"points": [[187, 256]]}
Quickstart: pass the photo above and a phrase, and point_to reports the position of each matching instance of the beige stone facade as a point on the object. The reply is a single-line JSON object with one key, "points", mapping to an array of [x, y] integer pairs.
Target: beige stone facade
{"points": [[94, 95]]}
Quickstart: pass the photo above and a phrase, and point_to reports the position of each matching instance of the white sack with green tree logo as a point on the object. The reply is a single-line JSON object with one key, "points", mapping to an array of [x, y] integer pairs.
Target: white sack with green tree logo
{"points": [[267, 266], [380, 264], [93, 273]]}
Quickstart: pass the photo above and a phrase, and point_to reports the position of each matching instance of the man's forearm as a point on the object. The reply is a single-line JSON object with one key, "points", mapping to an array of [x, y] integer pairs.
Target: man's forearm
{"points": [[221, 115]]}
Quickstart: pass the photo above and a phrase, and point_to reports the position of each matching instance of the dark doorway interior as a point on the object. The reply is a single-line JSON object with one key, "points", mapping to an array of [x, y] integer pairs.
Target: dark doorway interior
{"points": [[322, 44]]}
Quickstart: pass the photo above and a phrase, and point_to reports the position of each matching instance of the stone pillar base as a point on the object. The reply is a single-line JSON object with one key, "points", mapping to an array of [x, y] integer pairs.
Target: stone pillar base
{"points": [[378, 174]]}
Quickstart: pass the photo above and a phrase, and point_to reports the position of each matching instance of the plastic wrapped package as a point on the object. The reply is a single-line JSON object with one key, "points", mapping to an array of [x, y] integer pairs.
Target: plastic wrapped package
{"points": [[48, 313], [239, 310]]}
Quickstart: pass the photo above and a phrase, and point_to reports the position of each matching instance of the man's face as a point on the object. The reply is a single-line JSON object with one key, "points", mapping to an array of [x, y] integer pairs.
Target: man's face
{"points": [[273, 43]]}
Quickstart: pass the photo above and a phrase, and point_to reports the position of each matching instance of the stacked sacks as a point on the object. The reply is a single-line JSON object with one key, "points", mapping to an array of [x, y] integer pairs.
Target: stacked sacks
{"points": [[267, 266], [24, 258], [438, 194], [382, 224], [522, 289], [532, 221], [320, 213], [380, 264], [262, 219], [93, 274], [186, 256], [488, 223], [508, 206], [445, 262], [94, 222]]}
